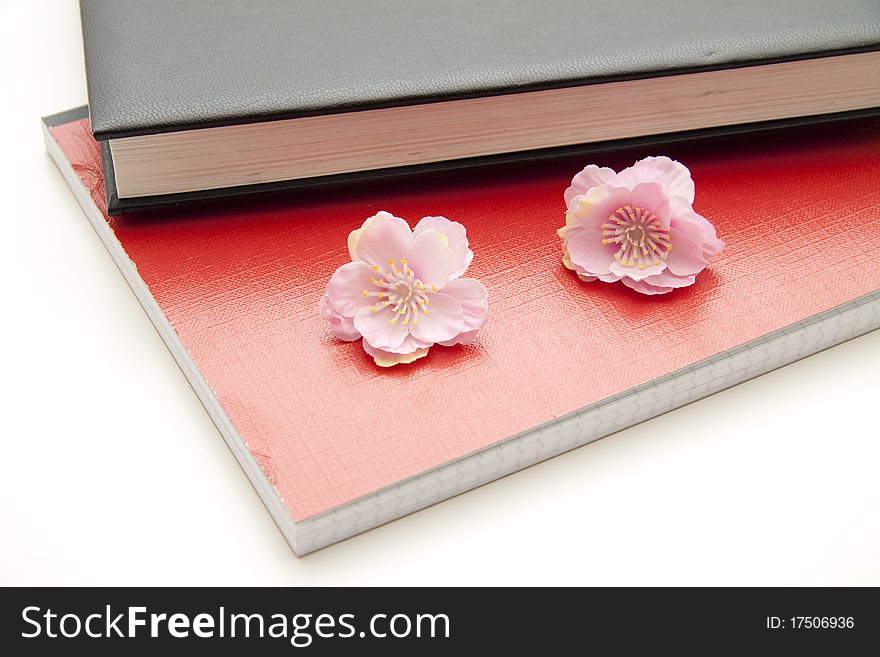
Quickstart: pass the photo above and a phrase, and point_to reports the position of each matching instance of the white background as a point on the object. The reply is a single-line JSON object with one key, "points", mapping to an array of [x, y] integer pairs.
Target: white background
{"points": [[112, 473]]}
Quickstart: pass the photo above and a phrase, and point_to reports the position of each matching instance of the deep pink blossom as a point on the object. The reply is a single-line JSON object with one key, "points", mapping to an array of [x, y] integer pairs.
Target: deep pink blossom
{"points": [[402, 292], [637, 227]]}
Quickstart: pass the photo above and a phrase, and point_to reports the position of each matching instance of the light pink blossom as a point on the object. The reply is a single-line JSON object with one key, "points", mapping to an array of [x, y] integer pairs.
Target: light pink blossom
{"points": [[402, 292], [637, 227]]}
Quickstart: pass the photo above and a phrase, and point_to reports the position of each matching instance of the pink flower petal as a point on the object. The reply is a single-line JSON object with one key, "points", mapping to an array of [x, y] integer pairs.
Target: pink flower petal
{"points": [[431, 258], [377, 329], [679, 206], [686, 257], [592, 209], [636, 274], [712, 246], [340, 325], [670, 280], [591, 176], [389, 359], [355, 235], [674, 176], [383, 237], [410, 343], [645, 287], [468, 337], [711, 243], [458, 241], [444, 320], [695, 224], [345, 291], [473, 298], [588, 254], [652, 197]]}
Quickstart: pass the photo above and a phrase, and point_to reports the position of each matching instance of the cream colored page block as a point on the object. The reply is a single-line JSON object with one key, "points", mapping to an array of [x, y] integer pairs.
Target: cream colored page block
{"points": [[356, 141]]}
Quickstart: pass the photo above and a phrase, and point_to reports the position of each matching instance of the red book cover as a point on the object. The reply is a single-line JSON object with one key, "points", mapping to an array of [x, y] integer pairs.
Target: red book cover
{"points": [[336, 445]]}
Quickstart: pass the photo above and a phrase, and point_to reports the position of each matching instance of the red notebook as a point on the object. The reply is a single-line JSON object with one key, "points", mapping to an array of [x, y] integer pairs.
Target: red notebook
{"points": [[336, 445]]}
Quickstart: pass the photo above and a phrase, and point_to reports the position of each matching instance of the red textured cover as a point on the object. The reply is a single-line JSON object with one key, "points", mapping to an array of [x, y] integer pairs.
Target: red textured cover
{"points": [[800, 213]]}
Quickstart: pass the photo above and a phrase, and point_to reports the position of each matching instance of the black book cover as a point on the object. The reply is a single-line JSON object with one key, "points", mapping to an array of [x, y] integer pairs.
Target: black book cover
{"points": [[165, 65]]}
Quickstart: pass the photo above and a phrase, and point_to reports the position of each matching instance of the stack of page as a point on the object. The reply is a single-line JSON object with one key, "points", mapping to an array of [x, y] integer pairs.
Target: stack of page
{"points": [[336, 445]]}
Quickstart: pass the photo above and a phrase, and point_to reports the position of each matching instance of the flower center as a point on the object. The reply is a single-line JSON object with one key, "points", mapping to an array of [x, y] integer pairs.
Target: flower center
{"points": [[641, 238], [401, 290]]}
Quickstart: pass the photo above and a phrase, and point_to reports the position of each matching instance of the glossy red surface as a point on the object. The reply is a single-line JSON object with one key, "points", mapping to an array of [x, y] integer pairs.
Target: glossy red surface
{"points": [[800, 213]]}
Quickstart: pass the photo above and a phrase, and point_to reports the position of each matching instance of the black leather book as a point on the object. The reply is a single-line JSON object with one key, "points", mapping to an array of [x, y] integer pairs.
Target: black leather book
{"points": [[210, 98]]}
